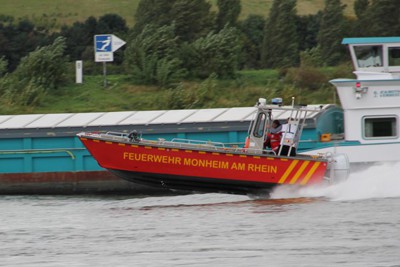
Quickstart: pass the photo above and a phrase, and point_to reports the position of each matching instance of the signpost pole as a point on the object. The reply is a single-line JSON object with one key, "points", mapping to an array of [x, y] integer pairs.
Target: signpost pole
{"points": [[105, 73]]}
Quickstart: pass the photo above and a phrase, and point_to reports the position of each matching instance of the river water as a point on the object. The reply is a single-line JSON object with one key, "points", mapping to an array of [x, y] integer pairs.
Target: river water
{"points": [[355, 223]]}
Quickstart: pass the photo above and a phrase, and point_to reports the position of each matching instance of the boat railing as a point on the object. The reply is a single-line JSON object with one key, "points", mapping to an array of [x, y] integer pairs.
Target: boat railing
{"points": [[217, 146], [115, 136], [185, 143], [189, 143], [197, 142]]}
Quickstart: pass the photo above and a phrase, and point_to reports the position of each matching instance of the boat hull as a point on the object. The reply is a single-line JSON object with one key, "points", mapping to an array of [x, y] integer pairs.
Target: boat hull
{"points": [[202, 169], [193, 183]]}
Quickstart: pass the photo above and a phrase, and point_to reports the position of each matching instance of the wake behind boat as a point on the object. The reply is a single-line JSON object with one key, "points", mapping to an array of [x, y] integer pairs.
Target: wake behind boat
{"points": [[214, 167]]}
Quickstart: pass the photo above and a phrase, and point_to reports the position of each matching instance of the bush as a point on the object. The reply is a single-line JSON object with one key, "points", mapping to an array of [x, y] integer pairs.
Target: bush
{"points": [[197, 97], [306, 77], [3, 66], [45, 67], [311, 58], [40, 71], [151, 57], [344, 70], [216, 53]]}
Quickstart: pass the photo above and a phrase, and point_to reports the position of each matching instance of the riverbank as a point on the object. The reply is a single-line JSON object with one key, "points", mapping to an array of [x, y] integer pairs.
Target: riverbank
{"points": [[309, 86]]}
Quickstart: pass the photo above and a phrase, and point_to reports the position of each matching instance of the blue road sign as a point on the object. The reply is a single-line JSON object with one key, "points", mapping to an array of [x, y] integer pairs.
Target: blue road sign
{"points": [[103, 43]]}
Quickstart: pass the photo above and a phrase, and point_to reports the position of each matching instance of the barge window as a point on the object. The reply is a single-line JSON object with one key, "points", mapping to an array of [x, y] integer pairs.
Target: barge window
{"points": [[260, 125], [369, 56], [380, 127], [394, 56]]}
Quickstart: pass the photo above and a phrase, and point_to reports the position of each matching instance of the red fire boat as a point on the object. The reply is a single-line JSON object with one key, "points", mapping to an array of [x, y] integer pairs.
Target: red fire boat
{"points": [[205, 166]]}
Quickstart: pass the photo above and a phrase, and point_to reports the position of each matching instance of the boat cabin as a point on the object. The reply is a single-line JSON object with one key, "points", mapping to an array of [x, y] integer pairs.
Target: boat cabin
{"points": [[293, 120], [371, 101], [375, 57]]}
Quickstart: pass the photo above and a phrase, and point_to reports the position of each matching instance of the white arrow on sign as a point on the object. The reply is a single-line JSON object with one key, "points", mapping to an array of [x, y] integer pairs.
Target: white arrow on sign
{"points": [[116, 43]]}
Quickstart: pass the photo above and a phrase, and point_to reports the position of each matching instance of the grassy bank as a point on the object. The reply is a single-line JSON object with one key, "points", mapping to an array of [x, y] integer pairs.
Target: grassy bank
{"points": [[121, 94], [61, 12]]}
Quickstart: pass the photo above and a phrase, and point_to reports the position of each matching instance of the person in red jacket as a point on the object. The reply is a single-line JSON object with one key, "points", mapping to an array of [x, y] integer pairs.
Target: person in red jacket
{"points": [[274, 136]]}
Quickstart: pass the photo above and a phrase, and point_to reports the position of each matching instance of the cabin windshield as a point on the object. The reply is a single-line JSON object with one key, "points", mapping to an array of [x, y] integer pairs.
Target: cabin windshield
{"points": [[394, 56], [260, 125], [369, 56]]}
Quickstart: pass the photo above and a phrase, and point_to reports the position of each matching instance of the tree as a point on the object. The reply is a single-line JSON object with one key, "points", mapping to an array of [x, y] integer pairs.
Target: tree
{"points": [[192, 19], [155, 12], [3, 66], [280, 43], [152, 56], [228, 13], [78, 37], [215, 53], [360, 7], [111, 24], [331, 32], [42, 70], [383, 18], [45, 67], [307, 29], [252, 29], [360, 25], [18, 39]]}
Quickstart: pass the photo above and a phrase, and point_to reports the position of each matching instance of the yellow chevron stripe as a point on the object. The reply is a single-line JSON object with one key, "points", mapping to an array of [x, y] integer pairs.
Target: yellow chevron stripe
{"points": [[83, 138], [299, 172], [97, 141], [121, 144], [174, 149], [215, 153], [310, 173], [134, 146], [108, 142], [202, 152], [229, 155], [288, 171], [148, 147], [161, 148], [188, 151], [243, 156], [256, 157]]}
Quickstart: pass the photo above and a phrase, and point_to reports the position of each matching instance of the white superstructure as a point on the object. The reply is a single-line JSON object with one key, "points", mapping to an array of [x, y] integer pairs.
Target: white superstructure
{"points": [[371, 103]]}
